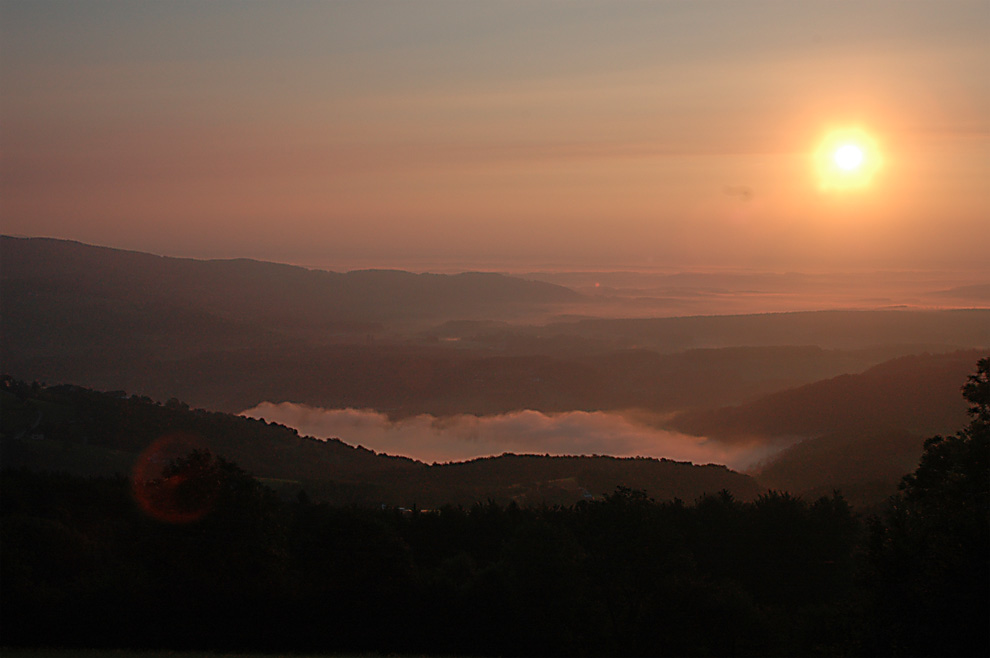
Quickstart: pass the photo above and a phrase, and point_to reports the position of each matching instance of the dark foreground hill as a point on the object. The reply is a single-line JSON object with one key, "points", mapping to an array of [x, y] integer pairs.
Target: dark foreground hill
{"points": [[67, 428]]}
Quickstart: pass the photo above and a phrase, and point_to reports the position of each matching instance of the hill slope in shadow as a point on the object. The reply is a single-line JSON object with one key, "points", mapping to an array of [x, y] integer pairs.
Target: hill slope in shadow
{"points": [[87, 432], [855, 433], [866, 466], [918, 393]]}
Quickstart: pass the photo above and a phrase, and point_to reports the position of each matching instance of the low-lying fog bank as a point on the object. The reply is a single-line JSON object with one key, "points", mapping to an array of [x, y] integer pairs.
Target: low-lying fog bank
{"points": [[463, 437]]}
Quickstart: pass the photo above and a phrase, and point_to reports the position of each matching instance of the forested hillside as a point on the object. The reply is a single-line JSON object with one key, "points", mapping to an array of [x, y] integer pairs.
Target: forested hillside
{"points": [[918, 393], [205, 548], [68, 428]]}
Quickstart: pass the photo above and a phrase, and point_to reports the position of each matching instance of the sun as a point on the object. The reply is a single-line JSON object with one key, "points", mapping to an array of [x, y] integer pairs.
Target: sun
{"points": [[847, 159]]}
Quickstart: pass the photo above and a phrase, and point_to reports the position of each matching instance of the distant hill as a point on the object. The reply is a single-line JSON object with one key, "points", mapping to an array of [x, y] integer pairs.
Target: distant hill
{"points": [[73, 429], [980, 291], [866, 466], [561, 480], [108, 430], [402, 380], [836, 329], [857, 433], [63, 295], [918, 393]]}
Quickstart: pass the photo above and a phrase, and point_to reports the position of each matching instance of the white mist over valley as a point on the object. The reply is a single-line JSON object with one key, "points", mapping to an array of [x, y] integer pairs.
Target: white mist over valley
{"points": [[462, 437]]}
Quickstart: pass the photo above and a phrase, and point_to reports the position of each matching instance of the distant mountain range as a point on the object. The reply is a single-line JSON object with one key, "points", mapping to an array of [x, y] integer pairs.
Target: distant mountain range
{"points": [[862, 389], [228, 335], [127, 296]]}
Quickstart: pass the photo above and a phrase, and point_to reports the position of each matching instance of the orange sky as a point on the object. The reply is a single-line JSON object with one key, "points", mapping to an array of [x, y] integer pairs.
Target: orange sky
{"points": [[575, 134]]}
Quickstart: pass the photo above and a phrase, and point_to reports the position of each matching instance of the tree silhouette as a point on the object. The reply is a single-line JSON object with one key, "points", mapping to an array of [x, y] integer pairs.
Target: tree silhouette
{"points": [[977, 391], [930, 560]]}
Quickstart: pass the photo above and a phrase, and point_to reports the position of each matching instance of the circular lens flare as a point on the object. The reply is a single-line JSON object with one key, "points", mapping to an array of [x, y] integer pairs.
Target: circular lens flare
{"points": [[172, 497]]}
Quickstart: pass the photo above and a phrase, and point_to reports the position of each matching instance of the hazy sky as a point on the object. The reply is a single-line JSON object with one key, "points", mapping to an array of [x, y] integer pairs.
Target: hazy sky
{"points": [[579, 134]]}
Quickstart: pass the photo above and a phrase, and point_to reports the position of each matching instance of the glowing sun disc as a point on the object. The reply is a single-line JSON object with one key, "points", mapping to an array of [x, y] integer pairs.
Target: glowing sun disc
{"points": [[847, 159]]}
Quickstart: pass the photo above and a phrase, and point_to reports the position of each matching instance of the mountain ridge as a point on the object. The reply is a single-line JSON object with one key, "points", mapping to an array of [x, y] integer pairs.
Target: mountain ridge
{"points": [[237, 287]]}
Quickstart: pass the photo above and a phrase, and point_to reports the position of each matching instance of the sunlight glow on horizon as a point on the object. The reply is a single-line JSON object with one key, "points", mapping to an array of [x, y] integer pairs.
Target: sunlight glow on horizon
{"points": [[594, 134]]}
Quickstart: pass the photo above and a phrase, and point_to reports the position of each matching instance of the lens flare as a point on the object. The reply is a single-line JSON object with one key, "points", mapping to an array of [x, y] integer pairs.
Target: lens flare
{"points": [[171, 497]]}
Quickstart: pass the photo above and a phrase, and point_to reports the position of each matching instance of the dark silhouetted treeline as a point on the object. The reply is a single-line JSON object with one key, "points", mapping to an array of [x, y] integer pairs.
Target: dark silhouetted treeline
{"points": [[84, 564]]}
